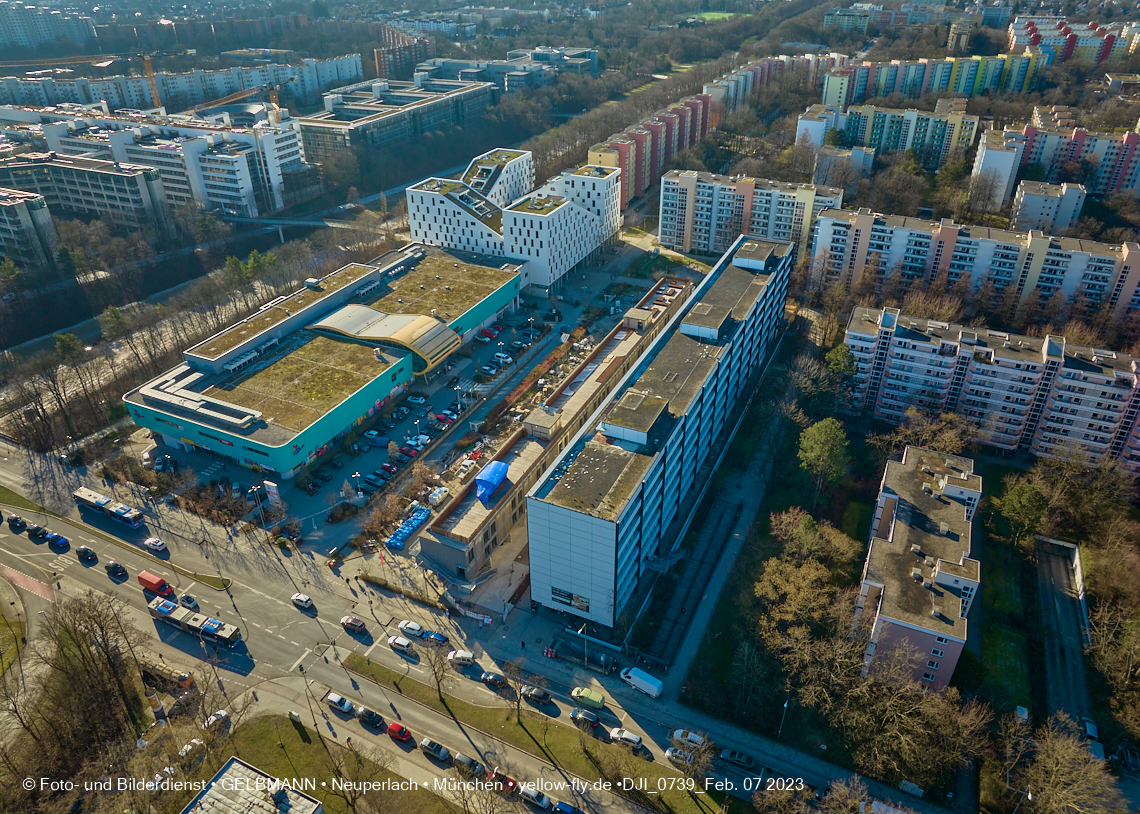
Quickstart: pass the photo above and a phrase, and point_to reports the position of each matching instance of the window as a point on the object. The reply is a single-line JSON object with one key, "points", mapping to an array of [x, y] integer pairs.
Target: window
{"points": [[937, 652], [941, 639], [933, 665], [928, 676]]}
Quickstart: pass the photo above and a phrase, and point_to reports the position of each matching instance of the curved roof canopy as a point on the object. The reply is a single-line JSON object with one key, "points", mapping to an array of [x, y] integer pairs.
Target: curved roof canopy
{"points": [[426, 337]]}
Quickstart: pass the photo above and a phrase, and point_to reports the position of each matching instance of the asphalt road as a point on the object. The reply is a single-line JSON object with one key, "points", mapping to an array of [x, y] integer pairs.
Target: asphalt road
{"points": [[1062, 640]]}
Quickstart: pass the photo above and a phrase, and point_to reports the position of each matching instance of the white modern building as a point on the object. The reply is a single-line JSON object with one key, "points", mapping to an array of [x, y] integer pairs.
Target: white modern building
{"points": [[302, 83], [1040, 394], [600, 513], [703, 212], [244, 171], [27, 232], [30, 27], [999, 155], [848, 243], [553, 228], [1048, 207]]}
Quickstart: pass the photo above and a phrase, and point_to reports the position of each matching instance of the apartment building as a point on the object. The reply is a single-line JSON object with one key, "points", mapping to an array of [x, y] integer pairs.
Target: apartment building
{"points": [[706, 213], [842, 165], [30, 27], [1047, 207], [1020, 392], [401, 53], [1038, 265], [27, 232], [964, 76], [381, 113], [847, 19], [244, 171], [919, 580], [1112, 158], [523, 67], [127, 194], [999, 155], [604, 508], [1089, 42], [302, 83], [573, 216], [934, 136]]}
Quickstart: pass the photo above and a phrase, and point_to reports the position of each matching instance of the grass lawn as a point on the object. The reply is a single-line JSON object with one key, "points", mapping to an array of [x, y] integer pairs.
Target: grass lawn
{"points": [[10, 634], [282, 748], [857, 516], [1005, 654], [712, 15], [538, 735], [1003, 582], [19, 501]]}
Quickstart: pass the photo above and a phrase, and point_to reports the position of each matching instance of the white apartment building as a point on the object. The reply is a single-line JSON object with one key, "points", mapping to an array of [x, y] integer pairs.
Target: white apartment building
{"points": [[243, 171], [1048, 207], [836, 164], [27, 232], [1019, 391], [999, 154], [847, 243], [703, 212], [600, 512], [30, 27], [553, 229], [301, 83]]}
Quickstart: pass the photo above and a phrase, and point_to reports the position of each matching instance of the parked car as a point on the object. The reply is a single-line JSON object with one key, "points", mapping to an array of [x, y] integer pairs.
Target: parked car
{"points": [[352, 623], [389, 468], [323, 477], [566, 808], [436, 750], [504, 785], [401, 413], [624, 737], [335, 464], [399, 732], [584, 719], [688, 737], [408, 450], [495, 680], [416, 398], [219, 718], [679, 757], [483, 340], [338, 702], [738, 759], [487, 370], [370, 717], [312, 487], [535, 797], [467, 765], [411, 629], [519, 344], [400, 643], [435, 638]]}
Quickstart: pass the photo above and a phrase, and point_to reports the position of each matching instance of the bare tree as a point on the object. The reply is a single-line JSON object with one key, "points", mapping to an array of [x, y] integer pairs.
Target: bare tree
{"points": [[694, 756], [357, 764], [439, 669], [518, 680], [1062, 773]]}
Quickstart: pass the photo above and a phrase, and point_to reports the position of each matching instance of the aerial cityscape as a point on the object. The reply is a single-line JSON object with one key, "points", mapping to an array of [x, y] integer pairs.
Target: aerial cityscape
{"points": [[663, 407]]}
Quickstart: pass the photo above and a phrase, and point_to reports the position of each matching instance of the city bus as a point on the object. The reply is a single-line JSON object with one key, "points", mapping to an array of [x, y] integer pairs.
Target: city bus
{"points": [[89, 499]]}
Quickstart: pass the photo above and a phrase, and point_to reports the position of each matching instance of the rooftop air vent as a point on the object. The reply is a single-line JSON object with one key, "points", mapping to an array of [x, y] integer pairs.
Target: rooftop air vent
{"points": [[313, 283], [943, 528], [916, 573], [926, 469], [927, 584], [421, 288], [929, 561], [447, 288], [936, 611], [916, 549], [438, 277], [926, 488]]}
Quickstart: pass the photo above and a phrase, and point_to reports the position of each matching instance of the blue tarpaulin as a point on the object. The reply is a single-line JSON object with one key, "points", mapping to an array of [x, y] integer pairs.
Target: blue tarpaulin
{"points": [[489, 479]]}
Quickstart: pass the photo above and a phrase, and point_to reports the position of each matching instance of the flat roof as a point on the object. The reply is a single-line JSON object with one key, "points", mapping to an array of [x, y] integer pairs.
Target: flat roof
{"points": [[494, 159], [759, 183], [464, 280], [466, 198], [919, 517], [671, 381], [538, 205], [240, 788], [601, 480], [221, 343]]}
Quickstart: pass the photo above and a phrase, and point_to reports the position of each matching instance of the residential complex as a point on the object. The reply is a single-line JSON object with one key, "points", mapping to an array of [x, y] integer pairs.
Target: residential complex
{"points": [[493, 211], [963, 76], [462, 537], [129, 195], [27, 232], [246, 171], [705, 213], [523, 68], [849, 243], [1113, 159], [1088, 42], [919, 579], [281, 388], [842, 165], [380, 113], [301, 83], [30, 26], [601, 512], [847, 19], [1020, 392], [401, 53], [934, 136], [1048, 207]]}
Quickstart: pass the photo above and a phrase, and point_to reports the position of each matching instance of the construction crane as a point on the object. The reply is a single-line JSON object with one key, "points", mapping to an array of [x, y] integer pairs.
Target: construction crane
{"points": [[271, 88], [99, 60]]}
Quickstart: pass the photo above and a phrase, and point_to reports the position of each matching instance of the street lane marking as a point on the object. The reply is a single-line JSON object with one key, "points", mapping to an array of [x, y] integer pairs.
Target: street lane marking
{"points": [[298, 661]]}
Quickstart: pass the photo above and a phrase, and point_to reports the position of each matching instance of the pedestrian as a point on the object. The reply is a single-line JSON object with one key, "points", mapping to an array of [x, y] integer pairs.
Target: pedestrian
{"points": [[523, 646]]}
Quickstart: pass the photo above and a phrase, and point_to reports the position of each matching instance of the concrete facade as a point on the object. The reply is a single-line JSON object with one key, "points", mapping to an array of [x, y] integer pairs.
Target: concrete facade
{"points": [[1048, 207], [27, 232]]}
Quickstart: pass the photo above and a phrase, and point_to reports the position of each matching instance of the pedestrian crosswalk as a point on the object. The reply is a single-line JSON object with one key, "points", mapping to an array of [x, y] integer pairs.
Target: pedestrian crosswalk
{"points": [[209, 471]]}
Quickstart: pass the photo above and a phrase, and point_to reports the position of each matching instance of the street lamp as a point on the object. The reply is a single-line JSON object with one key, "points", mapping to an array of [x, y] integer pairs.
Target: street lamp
{"points": [[585, 652], [1027, 794], [356, 485], [261, 509], [784, 716], [458, 401]]}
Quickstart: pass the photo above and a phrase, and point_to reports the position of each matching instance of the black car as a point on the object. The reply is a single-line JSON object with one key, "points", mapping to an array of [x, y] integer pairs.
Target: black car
{"points": [[584, 719], [86, 553], [312, 488], [323, 477], [371, 718], [454, 380], [335, 464], [469, 765], [36, 530], [495, 680], [536, 695], [115, 569], [15, 522]]}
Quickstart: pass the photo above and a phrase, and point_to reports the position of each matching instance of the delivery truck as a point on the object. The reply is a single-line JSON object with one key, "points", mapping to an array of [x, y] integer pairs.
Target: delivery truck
{"points": [[641, 680], [153, 582]]}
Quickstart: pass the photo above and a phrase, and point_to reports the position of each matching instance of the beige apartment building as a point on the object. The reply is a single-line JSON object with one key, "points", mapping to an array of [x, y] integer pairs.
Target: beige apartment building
{"points": [[1019, 391]]}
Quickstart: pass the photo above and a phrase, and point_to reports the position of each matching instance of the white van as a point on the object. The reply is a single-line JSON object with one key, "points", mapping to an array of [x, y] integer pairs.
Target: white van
{"points": [[461, 658], [504, 359]]}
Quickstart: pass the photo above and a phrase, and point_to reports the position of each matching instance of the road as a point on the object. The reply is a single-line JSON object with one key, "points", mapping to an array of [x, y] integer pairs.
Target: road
{"points": [[1062, 639]]}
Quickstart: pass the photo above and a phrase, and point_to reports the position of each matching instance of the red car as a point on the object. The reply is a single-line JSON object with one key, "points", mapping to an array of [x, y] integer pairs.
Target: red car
{"points": [[443, 419], [506, 786], [497, 327], [489, 333], [407, 450], [399, 732], [390, 468]]}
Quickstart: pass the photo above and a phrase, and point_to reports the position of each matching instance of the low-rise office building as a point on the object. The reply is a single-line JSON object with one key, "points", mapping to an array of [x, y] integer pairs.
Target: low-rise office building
{"points": [[129, 195], [1020, 392], [523, 67], [382, 113], [848, 244], [241, 787], [281, 388], [27, 232], [600, 513], [702, 212], [1048, 207], [919, 580]]}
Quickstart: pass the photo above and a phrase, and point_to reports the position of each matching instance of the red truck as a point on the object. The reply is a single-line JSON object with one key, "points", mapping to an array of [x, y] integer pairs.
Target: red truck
{"points": [[153, 582]]}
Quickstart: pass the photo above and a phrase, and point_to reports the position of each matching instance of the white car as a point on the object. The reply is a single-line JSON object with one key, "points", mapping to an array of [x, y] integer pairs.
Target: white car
{"points": [[190, 747], [155, 544], [400, 643], [339, 702], [219, 718], [416, 399], [688, 737], [409, 628], [302, 601], [625, 738], [535, 797], [371, 434]]}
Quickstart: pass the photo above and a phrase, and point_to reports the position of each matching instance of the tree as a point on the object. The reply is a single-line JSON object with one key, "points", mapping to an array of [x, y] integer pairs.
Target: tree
{"points": [[823, 452], [794, 594], [358, 765], [752, 677], [439, 669], [842, 366], [694, 757], [518, 680], [1024, 507], [393, 450], [1062, 773], [948, 433], [9, 275]]}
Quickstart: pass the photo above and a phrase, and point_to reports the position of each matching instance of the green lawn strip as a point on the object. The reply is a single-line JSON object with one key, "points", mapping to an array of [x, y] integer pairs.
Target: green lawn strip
{"points": [[17, 501], [284, 749], [1005, 654], [10, 636], [857, 516], [537, 735]]}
